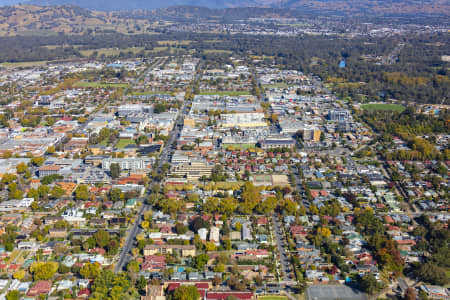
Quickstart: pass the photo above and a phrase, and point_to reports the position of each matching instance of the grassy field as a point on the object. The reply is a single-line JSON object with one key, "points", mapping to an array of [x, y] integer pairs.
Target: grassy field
{"points": [[226, 93], [24, 64], [158, 49], [125, 142], [100, 85], [383, 106], [110, 51], [239, 147]]}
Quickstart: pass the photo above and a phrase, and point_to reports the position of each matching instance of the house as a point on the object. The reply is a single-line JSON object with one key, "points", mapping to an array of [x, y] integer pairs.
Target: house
{"points": [[154, 263], [435, 292], [41, 287], [84, 293]]}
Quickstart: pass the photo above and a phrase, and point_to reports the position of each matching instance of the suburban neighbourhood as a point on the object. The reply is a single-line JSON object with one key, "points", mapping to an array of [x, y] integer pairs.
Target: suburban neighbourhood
{"points": [[180, 177]]}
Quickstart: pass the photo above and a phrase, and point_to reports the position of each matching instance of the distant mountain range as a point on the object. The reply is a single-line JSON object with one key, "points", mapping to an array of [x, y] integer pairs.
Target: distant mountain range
{"points": [[381, 7]]}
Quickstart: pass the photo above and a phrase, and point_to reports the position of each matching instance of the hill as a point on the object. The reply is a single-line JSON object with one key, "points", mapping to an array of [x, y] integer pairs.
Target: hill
{"points": [[344, 7], [50, 20]]}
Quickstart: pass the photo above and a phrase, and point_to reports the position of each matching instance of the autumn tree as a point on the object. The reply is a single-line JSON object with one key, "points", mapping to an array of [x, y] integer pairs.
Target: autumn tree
{"points": [[250, 198], [43, 270]]}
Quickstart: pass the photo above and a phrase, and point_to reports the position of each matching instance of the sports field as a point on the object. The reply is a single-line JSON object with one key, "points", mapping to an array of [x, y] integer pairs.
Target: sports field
{"points": [[383, 106]]}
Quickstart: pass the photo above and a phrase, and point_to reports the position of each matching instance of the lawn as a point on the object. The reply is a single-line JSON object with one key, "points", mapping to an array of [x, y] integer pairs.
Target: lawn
{"points": [[226, 93], [239, 147], [125, 142], [383, 106], [84, 84]]}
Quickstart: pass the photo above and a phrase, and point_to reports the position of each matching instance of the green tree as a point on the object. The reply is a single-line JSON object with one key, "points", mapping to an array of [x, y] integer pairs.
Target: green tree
{"points": [[185, 292], [115, 194], [368, 284], [200, 261], [141, 284], [114, 169], [57, 192], [13, 295], [101, 238], [108, 285], [82, 192]]}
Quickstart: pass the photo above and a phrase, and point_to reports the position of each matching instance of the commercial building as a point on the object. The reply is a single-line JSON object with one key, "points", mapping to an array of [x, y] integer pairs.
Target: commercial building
{"points": [[191, 170], [338, 115], [128, 164], [311, 134]]}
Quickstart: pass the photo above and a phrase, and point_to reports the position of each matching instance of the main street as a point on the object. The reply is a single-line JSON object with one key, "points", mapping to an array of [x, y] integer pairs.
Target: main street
{"points": [[164, 157]]}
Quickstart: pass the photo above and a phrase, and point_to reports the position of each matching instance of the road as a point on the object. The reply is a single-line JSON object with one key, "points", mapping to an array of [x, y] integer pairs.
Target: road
{"points": [[164, 157], [281, 245]]}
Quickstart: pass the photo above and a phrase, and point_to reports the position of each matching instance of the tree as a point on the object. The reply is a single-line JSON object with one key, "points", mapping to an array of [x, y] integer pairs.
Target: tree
{"points": [[34, 205], [8, 178], [37, 161], [410, 294], [180, 228], [250, 198], [102, 238], [210, 246], [43, 270], [198, 223], [22, 168], [13, 295], [19, 275], [82, 192], [431, 273], [142, 139], [114, 169], [185, 292], [368, 284], [219, 268], [51, 150], [115, 194], [228, 205], [110, 286], [145, 225], [200, 261], [290, 207], [90, 270], [57, 192], [141, 284]]}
